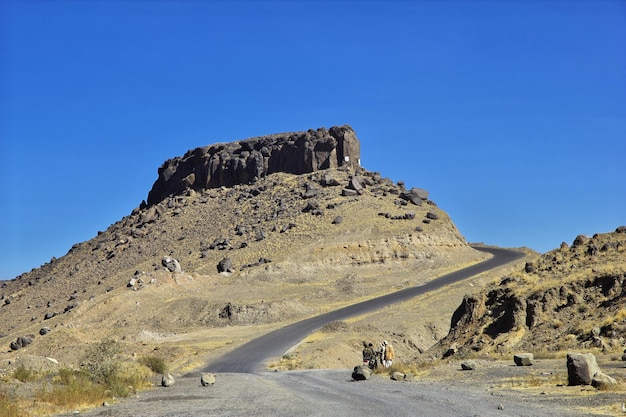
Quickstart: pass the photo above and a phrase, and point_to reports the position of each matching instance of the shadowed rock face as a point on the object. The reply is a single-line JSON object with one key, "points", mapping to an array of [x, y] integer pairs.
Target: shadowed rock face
{"points": [[246, 161]]}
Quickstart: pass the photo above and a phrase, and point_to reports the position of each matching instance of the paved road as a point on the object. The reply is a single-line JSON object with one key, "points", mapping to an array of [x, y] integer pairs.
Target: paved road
{"points": [[253, 355]]}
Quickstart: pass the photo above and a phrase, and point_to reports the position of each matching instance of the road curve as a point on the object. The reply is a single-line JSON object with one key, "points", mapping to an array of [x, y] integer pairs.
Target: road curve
{"points": [[249, 357]]}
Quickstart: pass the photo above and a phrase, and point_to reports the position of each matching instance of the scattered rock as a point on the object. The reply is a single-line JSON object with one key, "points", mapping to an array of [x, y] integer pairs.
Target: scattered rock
{"points": [[207, 380], [397, 376], [603, 381], [167, 380], [329, 181], [310, 191], [338, 220], [287, 227], [312, 207], [225, 265], [361, 373], [261, 261], [523, 359], [580, 239], [432, 216], [356, 185], [469, 365], [44, 331], [415, 195], [21, 342], [346, 192], [171, 264]]}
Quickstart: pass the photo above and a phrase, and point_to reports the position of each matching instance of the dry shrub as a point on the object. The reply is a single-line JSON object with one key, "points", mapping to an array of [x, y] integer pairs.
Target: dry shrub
{"points": [[405, 368], [155, 363], [73, 389], [102, 375], [23, 374]]}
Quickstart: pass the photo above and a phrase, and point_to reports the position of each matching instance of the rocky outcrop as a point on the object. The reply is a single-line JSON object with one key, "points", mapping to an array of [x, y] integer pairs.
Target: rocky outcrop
{"points": [[561, 300], [247, 161]]}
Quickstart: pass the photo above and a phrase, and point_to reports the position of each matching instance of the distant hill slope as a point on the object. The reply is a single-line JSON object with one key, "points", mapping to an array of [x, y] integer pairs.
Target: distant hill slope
{"points": [[288, 246], [573, 297]]}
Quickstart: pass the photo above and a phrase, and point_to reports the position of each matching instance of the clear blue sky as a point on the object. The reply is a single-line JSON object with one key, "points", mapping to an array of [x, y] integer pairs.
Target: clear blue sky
{"points": [[511, 113]]}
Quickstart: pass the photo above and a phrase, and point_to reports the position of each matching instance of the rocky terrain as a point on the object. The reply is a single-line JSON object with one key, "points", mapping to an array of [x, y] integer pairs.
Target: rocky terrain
{"points": [[571, 298], [237, 239], [218, 263]]}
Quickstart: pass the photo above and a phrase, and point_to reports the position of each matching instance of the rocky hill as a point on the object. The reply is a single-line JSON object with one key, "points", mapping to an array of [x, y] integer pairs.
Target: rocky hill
{"points": [[234, 239], [571, 298]]}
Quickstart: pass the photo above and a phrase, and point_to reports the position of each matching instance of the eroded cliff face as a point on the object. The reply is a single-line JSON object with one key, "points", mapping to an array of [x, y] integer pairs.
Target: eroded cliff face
{"points": [[247, 161]]}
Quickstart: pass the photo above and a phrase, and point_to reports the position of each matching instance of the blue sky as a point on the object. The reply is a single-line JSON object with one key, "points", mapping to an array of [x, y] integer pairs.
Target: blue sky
{"points": [[512, 114]]}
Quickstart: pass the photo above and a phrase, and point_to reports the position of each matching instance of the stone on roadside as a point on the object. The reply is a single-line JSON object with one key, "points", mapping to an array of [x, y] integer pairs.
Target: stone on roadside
{"points": [[397, 376], [469, 365], [603, 381], [581, 367], [523, 359], [361, 373], [167, 380], [207, 379]]}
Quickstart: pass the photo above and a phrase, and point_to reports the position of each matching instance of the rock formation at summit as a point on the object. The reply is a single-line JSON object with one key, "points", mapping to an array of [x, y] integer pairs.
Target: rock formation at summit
{"points": [[247, 161]]}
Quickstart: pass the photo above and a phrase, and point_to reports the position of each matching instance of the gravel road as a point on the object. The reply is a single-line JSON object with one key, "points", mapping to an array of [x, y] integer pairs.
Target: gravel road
{"points": [[328, 393]]}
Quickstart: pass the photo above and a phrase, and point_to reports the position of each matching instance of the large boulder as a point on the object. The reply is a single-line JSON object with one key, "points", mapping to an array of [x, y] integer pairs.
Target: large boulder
{"points": [[247, 161], [581, 368]]}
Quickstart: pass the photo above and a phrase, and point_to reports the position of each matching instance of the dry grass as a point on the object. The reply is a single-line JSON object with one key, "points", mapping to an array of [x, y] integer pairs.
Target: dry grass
{"points": [[24, 374], [402, 367], [534, 380], [9, 406]]}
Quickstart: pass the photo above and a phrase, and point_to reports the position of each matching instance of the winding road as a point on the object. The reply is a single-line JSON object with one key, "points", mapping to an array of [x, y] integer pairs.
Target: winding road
{"points": [[251, 356], [241, 391]]}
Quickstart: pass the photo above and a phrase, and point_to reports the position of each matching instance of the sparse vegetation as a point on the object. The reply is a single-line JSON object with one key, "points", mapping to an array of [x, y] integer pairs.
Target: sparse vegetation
{"points": [[155, 363], [23, 374], [72, 389], [8, 406], [103, 374], [405, 368]]}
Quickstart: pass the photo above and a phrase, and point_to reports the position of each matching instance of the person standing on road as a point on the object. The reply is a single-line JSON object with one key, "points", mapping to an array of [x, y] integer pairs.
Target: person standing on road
{"points": [[368, 353], [381, 352], [387, 354]]}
